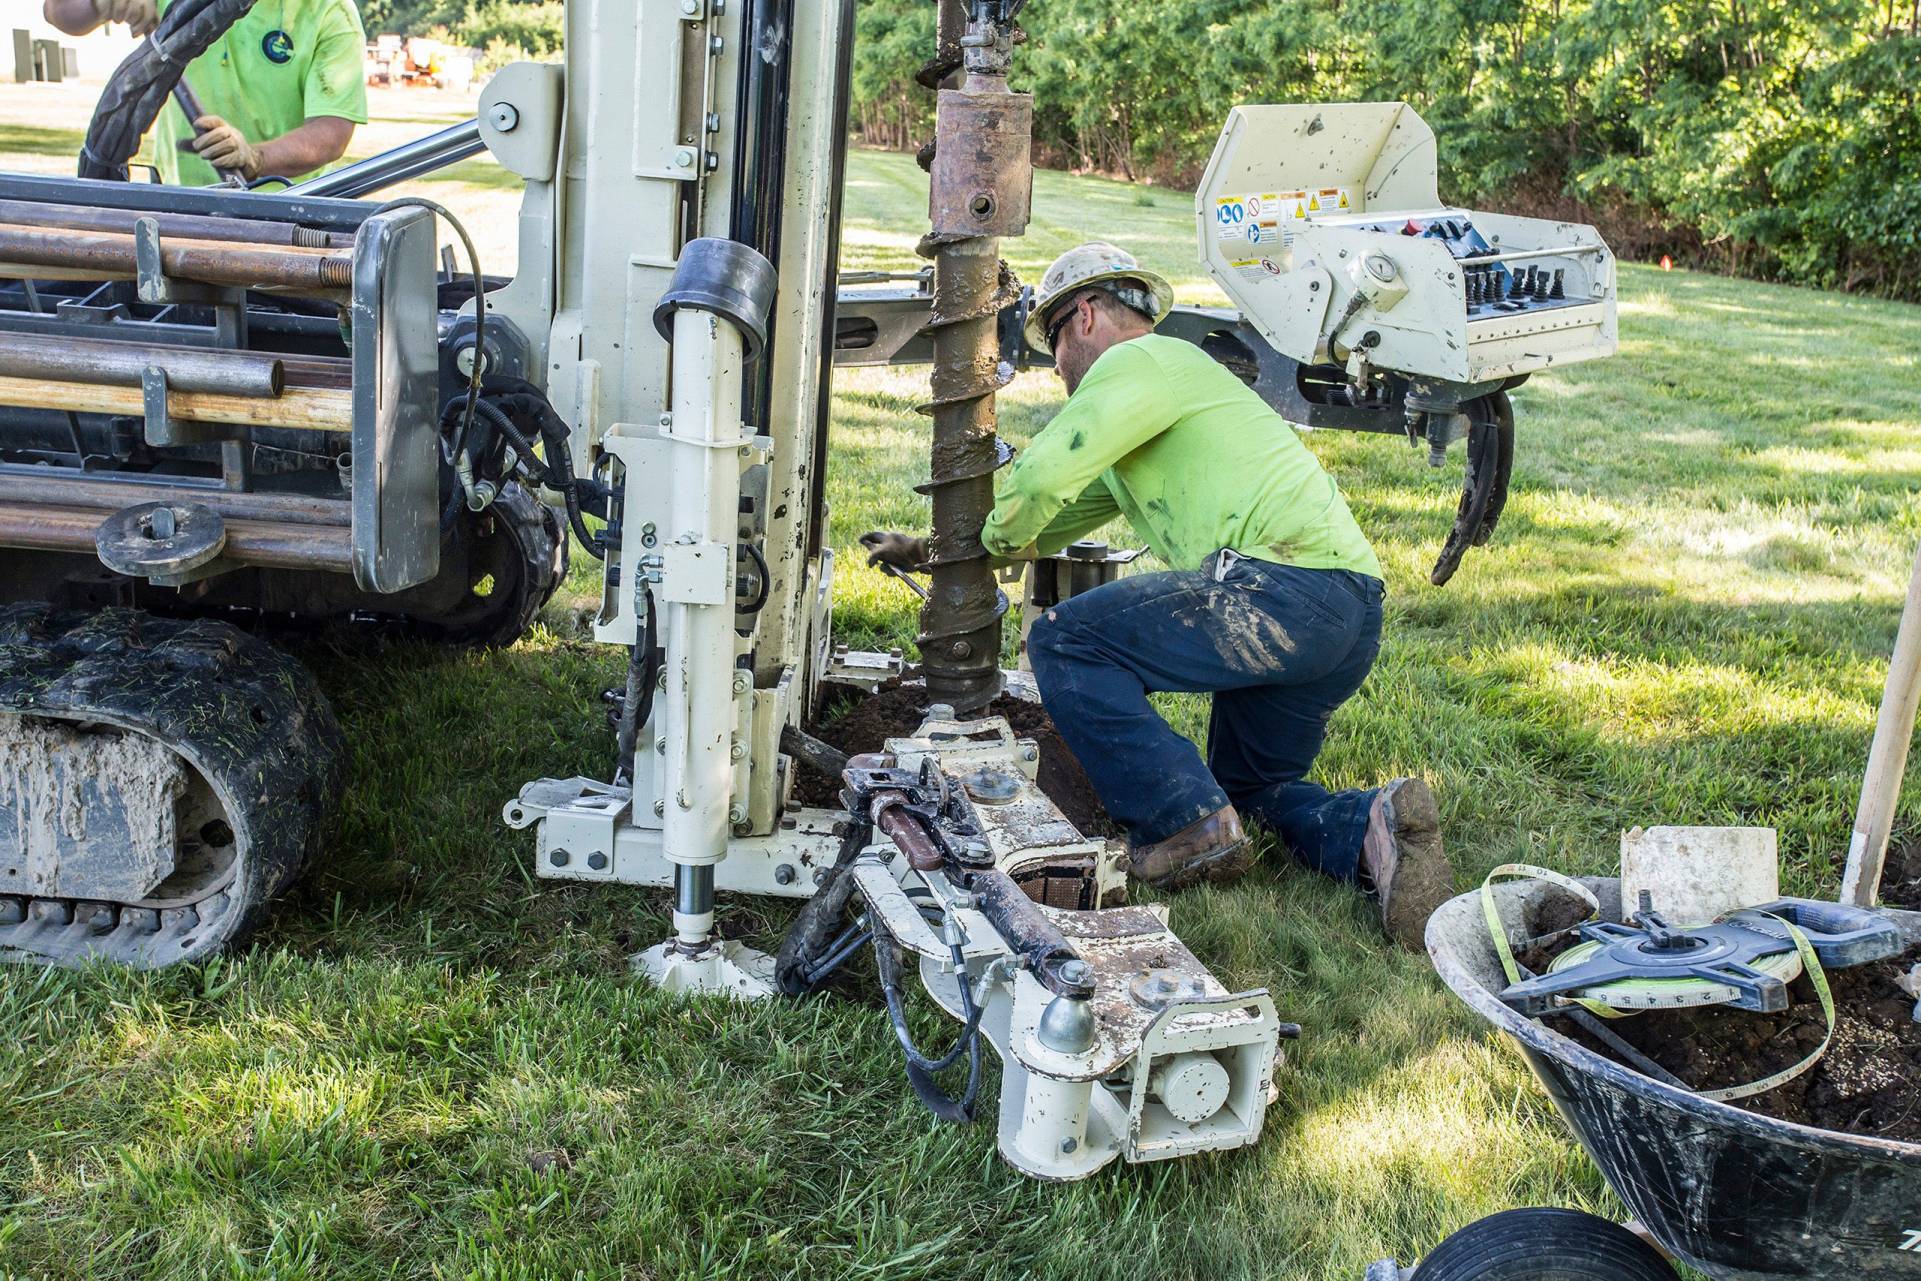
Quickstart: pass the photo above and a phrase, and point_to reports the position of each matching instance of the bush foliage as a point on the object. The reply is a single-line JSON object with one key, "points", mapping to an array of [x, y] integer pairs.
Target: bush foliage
{"points": [[1774, 138], [1770, 138]]}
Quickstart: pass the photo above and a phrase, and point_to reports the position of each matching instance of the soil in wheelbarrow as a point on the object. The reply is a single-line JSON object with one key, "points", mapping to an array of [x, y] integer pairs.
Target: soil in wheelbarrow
{"points": [[897, 712], [1901, 876], [1869, 1082]]}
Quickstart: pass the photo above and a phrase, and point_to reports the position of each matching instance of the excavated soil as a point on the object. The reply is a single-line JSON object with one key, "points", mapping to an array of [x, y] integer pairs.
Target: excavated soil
{"points": [[1869, 1082], [1901, 877], [896, 713]]}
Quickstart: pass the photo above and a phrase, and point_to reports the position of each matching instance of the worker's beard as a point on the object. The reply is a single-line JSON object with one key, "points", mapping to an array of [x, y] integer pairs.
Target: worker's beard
{"points": [[1072, 367]]}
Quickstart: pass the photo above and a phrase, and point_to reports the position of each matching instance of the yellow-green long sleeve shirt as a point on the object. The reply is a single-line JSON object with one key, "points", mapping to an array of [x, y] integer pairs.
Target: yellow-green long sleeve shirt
{"points": [[1160, 432]]}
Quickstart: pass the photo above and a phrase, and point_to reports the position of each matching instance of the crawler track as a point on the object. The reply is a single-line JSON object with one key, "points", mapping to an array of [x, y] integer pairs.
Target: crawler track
{"points": [[228, 755]]}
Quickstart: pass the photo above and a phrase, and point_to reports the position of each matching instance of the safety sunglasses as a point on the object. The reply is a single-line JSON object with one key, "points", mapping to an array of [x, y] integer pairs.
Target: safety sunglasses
{"points": [[1059, 322]]}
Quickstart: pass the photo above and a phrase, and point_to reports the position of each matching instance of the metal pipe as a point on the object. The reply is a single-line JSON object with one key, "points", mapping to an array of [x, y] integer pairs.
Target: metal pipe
{"points": [[179, 225], [908, 833], [68, 488], [303, 408], [810, 751], [450, 146], [339, 215], [230, 373], [1522, 255], [210, 262], [268, 544], [982, 176], [707, 358], [318, 371], [694, 889]]}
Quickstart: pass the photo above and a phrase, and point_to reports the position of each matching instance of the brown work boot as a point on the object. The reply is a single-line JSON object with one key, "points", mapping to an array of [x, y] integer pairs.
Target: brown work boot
{"points": [[1211, 849], [1403, 860]]}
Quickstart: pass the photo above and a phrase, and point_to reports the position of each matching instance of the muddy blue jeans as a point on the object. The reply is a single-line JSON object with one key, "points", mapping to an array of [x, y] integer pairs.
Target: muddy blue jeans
{"points": [[1279, 647]]}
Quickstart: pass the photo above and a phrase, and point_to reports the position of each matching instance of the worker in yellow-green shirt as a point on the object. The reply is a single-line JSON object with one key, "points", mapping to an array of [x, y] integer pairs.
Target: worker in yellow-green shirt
{"points": [[280, 92], [1272, 603]]}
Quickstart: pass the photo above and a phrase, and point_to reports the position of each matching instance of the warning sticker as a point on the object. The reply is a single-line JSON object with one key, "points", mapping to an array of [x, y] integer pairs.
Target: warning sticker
{"points": [[1230, 218], [1330, 200], [1255, 268], [1261, 220]]}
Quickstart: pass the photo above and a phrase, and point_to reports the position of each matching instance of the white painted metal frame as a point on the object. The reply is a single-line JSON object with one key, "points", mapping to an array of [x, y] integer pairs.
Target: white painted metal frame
{"points": [[601, 230], [1319, 281]]}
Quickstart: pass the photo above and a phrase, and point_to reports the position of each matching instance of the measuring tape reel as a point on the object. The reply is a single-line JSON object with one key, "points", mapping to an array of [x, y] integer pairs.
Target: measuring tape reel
{"points": [[1744, 960]]}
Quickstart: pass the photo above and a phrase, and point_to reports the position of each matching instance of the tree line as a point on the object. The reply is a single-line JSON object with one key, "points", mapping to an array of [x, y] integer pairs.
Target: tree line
{"points": [[1771, 138]]}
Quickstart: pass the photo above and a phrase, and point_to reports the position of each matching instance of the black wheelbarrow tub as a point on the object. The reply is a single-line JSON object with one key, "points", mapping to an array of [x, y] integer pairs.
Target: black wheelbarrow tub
{"points": [[1741, 1197]]}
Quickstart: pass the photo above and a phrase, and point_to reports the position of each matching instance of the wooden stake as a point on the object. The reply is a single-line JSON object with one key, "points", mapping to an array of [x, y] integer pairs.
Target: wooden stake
{"points": [[1887, 758]]}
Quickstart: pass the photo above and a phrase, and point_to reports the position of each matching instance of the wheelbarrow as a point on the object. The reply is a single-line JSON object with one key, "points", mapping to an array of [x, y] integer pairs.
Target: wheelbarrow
{"points": [[1735, 1195]]}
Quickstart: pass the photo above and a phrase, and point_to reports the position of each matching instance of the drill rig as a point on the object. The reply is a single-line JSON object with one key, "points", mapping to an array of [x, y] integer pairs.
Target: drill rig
{"points": [[223, 405]]}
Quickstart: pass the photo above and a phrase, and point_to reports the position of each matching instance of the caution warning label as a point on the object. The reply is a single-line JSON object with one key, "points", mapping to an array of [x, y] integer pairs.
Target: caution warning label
{"points": [[1262, 268], [1260, 220]]}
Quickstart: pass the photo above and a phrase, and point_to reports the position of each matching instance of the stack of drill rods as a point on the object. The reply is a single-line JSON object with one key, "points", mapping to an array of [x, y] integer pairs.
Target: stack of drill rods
{"points": [[27, 213], [87, 360], [960, 622], [210, 262]]}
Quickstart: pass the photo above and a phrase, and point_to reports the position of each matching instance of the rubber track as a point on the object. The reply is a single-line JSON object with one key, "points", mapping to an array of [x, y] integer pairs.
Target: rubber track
{"points": [[247, 716]]}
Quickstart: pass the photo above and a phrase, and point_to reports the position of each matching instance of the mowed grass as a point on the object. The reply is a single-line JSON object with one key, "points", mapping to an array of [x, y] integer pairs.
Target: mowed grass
{"points": [[431, 1064]]}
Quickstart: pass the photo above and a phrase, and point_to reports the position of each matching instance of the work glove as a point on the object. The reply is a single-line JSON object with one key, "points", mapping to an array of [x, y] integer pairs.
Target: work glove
{"points": [[141, 15], [902, 551], [225, 147]]}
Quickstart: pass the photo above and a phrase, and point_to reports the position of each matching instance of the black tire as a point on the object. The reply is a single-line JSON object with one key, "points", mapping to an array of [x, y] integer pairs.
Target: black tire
{"points": [[518, 546], [1544, 1245]]}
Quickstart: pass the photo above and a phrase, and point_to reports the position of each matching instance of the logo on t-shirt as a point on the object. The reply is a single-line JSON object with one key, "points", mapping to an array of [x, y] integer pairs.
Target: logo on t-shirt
{"points": [[277, 45]]}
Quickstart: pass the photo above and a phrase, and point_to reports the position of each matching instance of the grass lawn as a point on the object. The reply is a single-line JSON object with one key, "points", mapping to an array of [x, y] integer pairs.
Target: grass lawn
{"points": [[430, 1064]]}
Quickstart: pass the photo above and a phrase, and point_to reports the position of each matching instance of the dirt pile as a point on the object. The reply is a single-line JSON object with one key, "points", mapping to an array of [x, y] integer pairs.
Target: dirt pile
{"points": [[1901, 876], [896, 712]]}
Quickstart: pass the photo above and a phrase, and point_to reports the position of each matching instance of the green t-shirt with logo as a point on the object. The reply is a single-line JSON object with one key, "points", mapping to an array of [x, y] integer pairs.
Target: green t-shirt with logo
{"points": [[283, 63], [1160, 432]]}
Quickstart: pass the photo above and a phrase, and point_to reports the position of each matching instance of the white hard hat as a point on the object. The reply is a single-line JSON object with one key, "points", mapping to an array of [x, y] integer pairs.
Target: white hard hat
{"points": [[1090, 264]]}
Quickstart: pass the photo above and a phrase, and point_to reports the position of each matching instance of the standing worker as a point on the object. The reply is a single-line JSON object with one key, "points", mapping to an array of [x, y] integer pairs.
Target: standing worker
{"points": [[279, 93], [1273, 604]]}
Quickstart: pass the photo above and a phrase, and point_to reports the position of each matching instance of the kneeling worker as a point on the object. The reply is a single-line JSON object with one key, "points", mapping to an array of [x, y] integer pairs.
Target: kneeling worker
{"points": [[1274, 604], [280, 91]]}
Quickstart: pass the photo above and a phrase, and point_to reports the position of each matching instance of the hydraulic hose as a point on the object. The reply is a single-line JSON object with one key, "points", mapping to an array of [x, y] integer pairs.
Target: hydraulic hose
{"points": [[141, 84], [506, 397], [920, 1067], [556, 473]]}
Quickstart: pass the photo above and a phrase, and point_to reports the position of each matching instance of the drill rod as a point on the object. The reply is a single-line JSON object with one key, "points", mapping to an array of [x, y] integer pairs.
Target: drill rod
{"points": [[305, 408], [978, 187], [27, 213], [90, 360], [210, 262]]}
